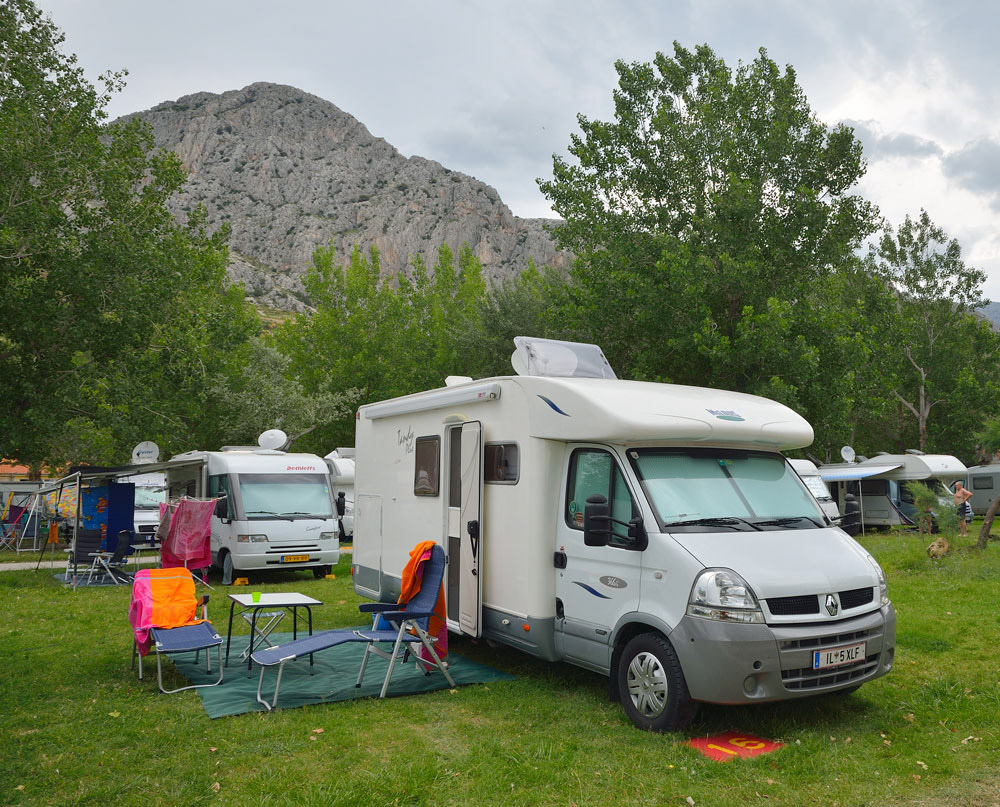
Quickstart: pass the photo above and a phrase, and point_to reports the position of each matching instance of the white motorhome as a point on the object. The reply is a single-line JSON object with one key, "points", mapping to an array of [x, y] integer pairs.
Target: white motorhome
{"points": [[809, 474], [880, 484], [650, 532], [340, 461], [275, 512], [150, 492], [984, 482]]}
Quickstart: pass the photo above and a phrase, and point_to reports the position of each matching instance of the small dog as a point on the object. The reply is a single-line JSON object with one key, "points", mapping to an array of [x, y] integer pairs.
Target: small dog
{"points": [[938, 548]]}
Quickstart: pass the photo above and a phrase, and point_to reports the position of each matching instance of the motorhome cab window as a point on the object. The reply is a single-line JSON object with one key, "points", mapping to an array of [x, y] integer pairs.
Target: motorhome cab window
{"points": [[427, 471], [593, 470], [501, 462], [265, 496], [817, 487], [219, 485], [149, 498], [703, 490]]}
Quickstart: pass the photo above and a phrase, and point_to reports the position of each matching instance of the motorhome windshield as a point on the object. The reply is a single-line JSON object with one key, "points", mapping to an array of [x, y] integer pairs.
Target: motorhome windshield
{"points": [[291, 496], [149, 498], [705, 490]]}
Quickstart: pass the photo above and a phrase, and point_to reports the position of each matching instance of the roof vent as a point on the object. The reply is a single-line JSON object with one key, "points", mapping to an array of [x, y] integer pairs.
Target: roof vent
{"points": [[552, 358]]}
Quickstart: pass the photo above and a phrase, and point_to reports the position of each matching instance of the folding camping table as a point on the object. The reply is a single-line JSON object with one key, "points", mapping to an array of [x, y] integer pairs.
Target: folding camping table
{"points": [[268, 601]]}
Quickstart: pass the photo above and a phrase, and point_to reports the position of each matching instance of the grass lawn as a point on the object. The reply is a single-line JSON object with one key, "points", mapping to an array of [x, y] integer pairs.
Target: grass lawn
{"points": [[79, 728]]}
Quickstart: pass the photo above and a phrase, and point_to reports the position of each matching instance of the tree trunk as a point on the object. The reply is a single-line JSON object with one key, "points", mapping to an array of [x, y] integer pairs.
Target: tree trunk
{"points": [[984, 532]]}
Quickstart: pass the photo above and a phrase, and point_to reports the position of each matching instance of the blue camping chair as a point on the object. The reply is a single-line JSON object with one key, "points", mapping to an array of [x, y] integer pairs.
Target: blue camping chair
{"points": [[401, 624]]}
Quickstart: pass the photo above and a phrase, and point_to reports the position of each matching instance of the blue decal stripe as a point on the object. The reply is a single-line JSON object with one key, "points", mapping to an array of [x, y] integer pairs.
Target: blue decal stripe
{"points": [[554, 407], [596, 593]]}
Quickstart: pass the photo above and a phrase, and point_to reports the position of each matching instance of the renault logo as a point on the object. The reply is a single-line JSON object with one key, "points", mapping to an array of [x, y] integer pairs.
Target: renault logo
{"points": [[831, 605]]}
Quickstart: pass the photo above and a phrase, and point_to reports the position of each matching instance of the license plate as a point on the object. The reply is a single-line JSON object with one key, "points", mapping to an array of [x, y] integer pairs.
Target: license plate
{"points": [[836, 656], [294, 558]]}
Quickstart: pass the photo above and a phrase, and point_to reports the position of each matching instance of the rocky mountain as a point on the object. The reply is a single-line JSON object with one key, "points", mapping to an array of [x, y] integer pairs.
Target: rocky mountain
{"points": [[992, 312], [289, 171]]}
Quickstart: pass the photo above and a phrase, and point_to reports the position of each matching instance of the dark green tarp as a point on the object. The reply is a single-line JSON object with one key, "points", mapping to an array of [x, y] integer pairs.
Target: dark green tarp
{"points": [[331, 678]]}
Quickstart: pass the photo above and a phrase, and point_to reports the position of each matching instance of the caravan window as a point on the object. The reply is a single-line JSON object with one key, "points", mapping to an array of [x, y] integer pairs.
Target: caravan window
{"points": [[593, 470], [982, 483], [501, 462], [874, 487], [427, 466]]}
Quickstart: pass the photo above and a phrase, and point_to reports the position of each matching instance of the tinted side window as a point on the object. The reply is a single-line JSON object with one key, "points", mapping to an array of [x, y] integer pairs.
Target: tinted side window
{"points": [[593, 470], [874, 487], [219, 485], [427, 466], [502, 462], [982, 483]]}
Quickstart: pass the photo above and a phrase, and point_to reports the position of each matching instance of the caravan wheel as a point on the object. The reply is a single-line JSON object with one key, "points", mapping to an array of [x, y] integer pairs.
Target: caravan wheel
{"points": [[651, 682]]}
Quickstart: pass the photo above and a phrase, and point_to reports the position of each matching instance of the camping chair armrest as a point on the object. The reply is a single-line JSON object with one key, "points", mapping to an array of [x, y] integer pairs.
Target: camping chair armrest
{"points": [[377, 607], [203, 601], [394, 616]]}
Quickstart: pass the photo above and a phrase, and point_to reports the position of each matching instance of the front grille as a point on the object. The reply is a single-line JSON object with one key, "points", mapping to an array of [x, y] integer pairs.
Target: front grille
{"points": [[293, 549], [791, 606], [808, 678], [856, 597], [816, 642]]}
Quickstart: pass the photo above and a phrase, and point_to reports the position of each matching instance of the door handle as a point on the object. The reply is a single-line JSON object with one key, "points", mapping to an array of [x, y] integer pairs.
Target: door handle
{"points": [[472, 528]]}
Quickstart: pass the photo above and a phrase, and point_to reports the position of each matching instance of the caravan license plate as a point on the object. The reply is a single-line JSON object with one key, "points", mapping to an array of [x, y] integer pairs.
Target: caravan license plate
{"points": [[835, 656], [293, 558]]}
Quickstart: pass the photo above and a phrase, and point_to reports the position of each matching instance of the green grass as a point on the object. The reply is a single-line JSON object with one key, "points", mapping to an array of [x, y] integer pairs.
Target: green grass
{"points": [[79, 728]]}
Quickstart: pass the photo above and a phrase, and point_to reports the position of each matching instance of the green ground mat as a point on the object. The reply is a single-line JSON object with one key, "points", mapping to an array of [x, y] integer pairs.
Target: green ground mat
{"points": [[332, 678]]}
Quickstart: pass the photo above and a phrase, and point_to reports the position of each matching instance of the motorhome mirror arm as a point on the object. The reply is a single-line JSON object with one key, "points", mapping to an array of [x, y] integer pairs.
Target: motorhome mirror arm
{"points": [[597, 522]]}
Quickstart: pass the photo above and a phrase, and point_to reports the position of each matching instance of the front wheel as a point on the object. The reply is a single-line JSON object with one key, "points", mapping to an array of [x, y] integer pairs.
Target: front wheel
{"points": [[651, 685], [319, 572]]}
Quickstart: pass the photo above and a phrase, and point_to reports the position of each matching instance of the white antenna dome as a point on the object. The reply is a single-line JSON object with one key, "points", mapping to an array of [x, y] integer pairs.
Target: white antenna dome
{"points": [[273, 439]]}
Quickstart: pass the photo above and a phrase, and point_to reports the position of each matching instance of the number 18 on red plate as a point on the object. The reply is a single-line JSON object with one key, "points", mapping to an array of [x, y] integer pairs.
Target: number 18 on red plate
{"points": [[732, 744]]}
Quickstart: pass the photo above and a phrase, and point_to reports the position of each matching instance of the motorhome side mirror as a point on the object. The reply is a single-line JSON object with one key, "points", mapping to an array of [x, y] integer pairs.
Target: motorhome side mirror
{"points": [[596, 521], [221, 509], [341, 503]]}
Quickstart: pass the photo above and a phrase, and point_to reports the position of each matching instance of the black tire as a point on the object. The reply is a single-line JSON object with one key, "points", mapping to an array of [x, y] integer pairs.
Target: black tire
{"points": [[651, 685], [319, 572]]}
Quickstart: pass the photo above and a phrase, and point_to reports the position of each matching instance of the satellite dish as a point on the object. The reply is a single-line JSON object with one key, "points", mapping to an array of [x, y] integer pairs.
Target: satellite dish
{"points": [[146, 452], [273, 439], [847, 453]]}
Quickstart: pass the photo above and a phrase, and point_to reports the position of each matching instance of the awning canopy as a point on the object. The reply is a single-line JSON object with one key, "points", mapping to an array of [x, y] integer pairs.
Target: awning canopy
{"points": [[842, 473]]}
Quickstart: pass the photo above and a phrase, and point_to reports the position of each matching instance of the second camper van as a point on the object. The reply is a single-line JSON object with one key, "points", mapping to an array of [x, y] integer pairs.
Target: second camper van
{"points": [[650, 532], [275, 510]]}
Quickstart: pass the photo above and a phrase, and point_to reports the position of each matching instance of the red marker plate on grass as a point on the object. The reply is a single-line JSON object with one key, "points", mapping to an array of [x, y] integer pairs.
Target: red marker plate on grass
{"points": [[732, 744]]}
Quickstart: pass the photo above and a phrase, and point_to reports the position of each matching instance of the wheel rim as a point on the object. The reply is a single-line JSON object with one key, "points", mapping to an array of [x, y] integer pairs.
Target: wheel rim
{"points": [[647, 684]]}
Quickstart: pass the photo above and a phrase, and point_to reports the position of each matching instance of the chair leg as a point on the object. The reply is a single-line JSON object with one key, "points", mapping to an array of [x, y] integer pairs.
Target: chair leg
{"points": [[277, 687], [364, 664], [392, 662]]}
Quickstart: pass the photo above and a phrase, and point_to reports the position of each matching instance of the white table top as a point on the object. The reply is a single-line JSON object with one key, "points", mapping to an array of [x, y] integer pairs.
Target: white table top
{"points": [[275, 599]]}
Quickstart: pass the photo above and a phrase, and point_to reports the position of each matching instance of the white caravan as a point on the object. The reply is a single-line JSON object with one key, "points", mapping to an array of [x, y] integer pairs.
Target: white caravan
{"points": [[340, 461], [984, 482], [650, 532], [879, 484], [809, 474], [276, 510]]}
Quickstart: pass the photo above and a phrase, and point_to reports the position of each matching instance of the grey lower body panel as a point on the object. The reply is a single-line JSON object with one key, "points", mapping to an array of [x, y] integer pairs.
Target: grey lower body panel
{"points": [[738, 663]]}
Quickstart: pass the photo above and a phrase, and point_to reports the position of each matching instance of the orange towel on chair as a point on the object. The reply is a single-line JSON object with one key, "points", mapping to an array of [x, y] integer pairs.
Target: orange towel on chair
{"points": [[412, 576]]}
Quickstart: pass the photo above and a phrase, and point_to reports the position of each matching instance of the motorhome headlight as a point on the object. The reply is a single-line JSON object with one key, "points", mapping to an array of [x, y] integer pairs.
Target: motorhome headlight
{"points": [[251, 539], [883, 586], [327, 536], [723, 595]]}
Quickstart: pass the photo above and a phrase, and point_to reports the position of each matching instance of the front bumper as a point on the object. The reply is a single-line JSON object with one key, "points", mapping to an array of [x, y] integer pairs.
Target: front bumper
{"points": [[272, 559], [738, 663]]}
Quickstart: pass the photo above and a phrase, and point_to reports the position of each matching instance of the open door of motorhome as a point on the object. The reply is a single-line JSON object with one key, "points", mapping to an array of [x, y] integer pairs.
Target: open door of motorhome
{"points": [[465, 524]]}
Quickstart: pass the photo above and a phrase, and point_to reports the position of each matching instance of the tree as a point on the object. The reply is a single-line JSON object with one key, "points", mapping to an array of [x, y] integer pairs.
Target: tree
{"points": [[706, 220], [935, 333], [379, 337], [97, 280]]}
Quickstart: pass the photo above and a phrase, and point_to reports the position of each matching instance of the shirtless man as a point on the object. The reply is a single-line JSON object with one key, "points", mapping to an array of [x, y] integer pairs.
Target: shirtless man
{"points": [[962, 496]]}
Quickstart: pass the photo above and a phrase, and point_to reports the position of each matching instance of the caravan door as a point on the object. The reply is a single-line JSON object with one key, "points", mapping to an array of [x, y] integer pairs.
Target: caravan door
{"points": [[465, 519]]}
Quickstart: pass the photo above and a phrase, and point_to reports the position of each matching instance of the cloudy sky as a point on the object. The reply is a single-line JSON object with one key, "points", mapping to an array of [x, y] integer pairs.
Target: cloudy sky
{"points": [[493, 88]]}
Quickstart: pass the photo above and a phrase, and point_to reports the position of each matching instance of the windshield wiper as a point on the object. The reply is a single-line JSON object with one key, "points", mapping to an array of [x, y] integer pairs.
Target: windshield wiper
{"points": [[778, 522], [268, 513], [720, 521]]}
